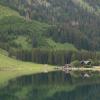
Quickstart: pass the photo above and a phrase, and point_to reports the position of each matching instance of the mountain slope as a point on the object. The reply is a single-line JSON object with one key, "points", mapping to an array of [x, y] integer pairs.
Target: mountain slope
{"points": [[17, 32], [74, 19], [88, 6]]}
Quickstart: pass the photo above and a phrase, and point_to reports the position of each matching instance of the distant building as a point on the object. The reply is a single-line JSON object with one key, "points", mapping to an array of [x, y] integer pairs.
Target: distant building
{"points": [[85, 62]]}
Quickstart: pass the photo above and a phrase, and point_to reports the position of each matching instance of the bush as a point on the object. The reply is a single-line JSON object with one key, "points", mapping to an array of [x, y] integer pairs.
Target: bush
{"points": [[76, 63], [96, 63]]}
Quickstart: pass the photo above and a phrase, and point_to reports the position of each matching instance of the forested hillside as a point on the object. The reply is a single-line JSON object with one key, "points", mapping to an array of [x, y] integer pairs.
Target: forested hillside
{"points": [[76, 21], [52, 27], [17, 32]]}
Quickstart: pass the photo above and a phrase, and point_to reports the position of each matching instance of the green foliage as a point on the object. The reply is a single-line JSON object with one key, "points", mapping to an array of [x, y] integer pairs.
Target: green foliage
{"points": [[6, 11], [59, 46], [3, 52], [76, 63], [22, 42], [44, 56], [78, 29], [96, 62], [17, 32], [85, 5], [11, 68], [63, 33], [79, 26]]}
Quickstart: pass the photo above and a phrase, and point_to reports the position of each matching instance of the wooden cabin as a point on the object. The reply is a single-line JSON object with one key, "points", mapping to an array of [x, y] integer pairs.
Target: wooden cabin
{"points": [[85, 62]]}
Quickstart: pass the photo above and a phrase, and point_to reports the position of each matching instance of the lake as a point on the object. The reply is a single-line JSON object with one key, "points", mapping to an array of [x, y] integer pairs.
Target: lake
{"points": [[51, 86]]}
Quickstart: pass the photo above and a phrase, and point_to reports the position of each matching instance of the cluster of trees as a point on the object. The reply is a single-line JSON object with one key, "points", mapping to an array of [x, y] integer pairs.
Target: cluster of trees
{"points": [[53, 56], [14, 27], [53, 10], [45, 56], [65, 33], [95, 3]]}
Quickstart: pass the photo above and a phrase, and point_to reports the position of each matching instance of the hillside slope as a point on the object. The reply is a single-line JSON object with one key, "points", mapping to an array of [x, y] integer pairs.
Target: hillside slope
{"points": [[6, 11], [17, 32], [81, 16], [74, 21], [20, 33]]}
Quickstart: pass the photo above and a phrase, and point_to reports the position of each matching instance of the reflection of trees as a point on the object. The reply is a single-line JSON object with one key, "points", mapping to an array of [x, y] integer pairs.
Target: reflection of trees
{"points": [[51, 85], [88, 92]]}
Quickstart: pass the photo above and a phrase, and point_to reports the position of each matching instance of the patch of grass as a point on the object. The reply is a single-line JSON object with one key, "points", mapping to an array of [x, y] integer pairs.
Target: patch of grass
{"points": [[23, 42], [10, 68], [3, 52], [6, 11]]}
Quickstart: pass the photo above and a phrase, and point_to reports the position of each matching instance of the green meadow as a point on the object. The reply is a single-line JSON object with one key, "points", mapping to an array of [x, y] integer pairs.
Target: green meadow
{"points": [[11, 68], [6, 11]]}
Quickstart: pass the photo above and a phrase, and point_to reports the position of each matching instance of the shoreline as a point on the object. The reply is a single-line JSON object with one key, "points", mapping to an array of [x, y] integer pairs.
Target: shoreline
{"points": [[7, 75], [12, 68]]}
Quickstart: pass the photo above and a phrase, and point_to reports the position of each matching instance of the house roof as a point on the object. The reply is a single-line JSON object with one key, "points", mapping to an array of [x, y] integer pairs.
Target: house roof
{"points": [[85, 62]]}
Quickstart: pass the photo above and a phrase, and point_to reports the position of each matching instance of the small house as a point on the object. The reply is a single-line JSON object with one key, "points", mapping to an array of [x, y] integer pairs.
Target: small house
{"points": [[85, 62]]}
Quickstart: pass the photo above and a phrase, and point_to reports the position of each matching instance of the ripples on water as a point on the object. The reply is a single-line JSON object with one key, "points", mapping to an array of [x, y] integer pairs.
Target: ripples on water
{"points": [[50, 86]]}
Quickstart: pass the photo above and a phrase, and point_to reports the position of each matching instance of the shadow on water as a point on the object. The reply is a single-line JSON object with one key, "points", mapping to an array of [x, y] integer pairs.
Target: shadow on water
{"points": [[48, 86]]}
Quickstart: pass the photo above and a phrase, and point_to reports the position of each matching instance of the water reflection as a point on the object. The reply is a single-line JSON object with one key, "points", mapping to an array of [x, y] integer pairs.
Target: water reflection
{"points": [[49, 86], [89, 92]]}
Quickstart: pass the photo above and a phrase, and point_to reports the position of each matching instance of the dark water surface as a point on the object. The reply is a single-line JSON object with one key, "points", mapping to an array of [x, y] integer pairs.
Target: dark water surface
{"points": [[50, 86]]}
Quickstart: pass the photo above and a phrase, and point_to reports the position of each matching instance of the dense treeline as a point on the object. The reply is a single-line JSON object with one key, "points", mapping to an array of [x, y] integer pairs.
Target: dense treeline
{"points": [[45, 56], [65, 33], [75, 23], [54, 57]]}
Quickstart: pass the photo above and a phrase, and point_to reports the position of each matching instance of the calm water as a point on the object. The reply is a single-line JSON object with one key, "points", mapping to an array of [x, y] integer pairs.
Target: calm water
{"points": [[51, 86]]}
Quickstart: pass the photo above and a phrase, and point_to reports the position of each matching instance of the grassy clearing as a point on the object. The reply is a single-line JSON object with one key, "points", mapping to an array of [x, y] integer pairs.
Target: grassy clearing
{"points": [[6, 11], [22, 41], [10, 68], [59, 46]]}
